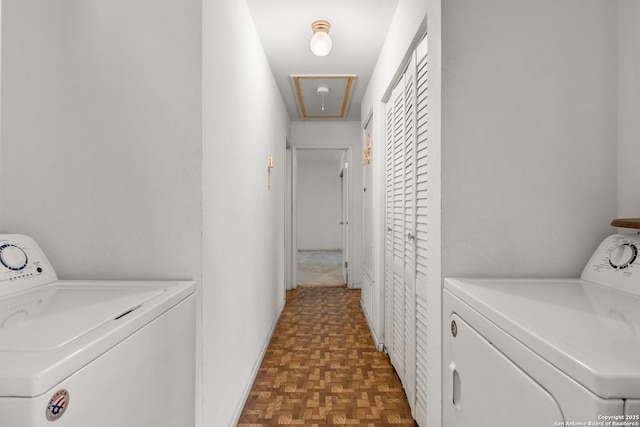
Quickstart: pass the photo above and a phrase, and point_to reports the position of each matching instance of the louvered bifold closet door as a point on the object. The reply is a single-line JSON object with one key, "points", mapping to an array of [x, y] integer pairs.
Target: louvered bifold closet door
{"points": [[422, 200], [388, 242], [397, 353], [406, 202], [408, 378]]}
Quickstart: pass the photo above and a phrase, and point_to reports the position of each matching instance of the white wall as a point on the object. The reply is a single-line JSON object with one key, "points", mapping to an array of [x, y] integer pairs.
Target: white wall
{"points": [[337, 135], [100, 158], [244, 122], [628, 108], [368, 231], [319, 205], [529, 134], [529, 158], [1, 202]]}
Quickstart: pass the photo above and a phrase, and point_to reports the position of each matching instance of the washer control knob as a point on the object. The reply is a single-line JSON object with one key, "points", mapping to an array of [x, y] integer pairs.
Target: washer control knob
{"points": [[13, 257], [623, 256]]}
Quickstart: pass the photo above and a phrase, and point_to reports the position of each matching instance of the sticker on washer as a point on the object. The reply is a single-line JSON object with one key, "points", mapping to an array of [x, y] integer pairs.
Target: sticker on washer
{"points": [[58, 404]]}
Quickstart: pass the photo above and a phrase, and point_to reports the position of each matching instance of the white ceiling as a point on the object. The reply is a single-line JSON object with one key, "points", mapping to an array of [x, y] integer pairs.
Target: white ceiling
{"points": [[358, 30]]}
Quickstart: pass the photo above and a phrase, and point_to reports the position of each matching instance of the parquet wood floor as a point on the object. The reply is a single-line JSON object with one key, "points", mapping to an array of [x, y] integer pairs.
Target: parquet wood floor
{"points": [[322, 369]]}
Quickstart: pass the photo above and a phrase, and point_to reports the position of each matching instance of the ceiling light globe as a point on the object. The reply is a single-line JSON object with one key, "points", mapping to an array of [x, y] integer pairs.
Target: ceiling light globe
{"points": [[320, 44]]}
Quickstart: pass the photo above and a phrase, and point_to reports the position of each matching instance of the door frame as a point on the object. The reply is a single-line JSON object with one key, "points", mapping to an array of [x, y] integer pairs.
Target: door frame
{"points": [[344, 216], [292, 226]]}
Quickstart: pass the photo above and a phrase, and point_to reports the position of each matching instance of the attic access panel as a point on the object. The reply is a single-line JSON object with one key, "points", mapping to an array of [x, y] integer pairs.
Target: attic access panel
{"points": [[336, 102]]}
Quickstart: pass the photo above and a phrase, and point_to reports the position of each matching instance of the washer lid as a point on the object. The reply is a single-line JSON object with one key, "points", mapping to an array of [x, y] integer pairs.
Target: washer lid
{"points": [[48, 317], [50, 332], [590, 332]]}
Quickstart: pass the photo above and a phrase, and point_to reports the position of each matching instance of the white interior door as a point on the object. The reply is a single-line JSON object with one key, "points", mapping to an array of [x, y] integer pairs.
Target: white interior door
{"points": [[344, 222], [368, 264], [422, 219], [388, 241], [397, 355], [409, 380]]}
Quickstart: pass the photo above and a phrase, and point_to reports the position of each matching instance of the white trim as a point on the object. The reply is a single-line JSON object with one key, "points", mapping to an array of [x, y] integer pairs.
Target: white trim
{"points": [[294, 210], [378, 344], [367, 119], [406, 59], [256, 368], [379, 214], [287, 219], [293, 231]]}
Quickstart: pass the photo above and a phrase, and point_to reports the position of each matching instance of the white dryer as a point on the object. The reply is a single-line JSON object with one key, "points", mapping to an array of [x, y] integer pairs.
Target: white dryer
{"points": [[539, 353], [92, 353]]}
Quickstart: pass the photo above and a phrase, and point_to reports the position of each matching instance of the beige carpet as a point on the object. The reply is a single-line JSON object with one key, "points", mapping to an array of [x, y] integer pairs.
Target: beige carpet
{"points": [[320, 268]]}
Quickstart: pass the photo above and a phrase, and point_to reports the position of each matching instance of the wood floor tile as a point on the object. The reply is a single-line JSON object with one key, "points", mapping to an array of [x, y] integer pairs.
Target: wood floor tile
{"points": [[321, 368]]}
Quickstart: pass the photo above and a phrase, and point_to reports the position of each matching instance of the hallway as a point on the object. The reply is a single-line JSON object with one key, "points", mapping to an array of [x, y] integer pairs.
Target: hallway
{"points": [[321, 368], [320, 268]]}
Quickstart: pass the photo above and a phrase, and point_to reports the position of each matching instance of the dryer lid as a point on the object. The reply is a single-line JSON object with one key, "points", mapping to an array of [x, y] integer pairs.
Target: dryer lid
{"points": [[588, 331]]}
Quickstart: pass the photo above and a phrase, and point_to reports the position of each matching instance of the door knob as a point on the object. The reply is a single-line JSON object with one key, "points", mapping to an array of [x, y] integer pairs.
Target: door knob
{"points": [[410, 236]]}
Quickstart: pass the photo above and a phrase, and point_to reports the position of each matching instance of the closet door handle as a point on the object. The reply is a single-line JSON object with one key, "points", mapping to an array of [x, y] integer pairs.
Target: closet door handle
{"points": [[410, 236], [388, 229]]}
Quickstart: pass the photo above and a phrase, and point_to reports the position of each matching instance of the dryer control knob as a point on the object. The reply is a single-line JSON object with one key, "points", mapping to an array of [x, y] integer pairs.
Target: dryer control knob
{"points": [[13, 257], [623, 256]]}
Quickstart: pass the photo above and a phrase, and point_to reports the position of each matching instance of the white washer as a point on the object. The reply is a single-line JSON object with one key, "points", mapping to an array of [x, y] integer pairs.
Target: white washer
{"points": [[92, 353], [538, 353]]}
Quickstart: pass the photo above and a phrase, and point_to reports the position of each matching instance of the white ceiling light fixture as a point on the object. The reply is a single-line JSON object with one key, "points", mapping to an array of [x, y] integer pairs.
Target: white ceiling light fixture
{"points": [[322, 91], [320, 43]]}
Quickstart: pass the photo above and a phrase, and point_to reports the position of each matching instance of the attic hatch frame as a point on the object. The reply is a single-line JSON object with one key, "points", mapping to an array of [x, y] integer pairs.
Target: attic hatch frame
{"points": [[349, 78]]}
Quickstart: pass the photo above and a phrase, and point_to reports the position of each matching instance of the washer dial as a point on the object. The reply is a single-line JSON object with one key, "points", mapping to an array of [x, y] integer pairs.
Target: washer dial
{"points": [[13, 257], [623, 256]]}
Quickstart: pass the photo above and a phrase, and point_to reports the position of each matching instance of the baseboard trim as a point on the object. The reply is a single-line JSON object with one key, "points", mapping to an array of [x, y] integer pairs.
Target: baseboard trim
{"points": [[376, 341], [256, 367]]}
